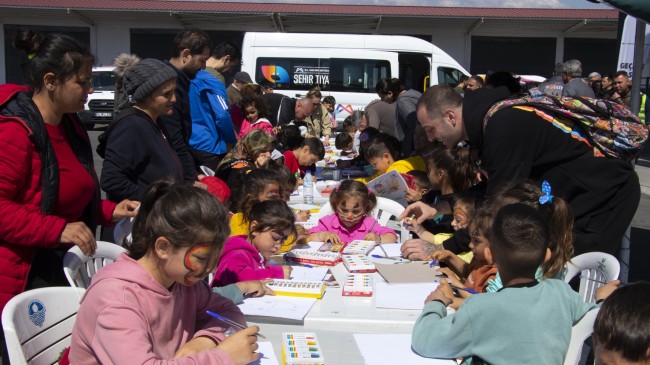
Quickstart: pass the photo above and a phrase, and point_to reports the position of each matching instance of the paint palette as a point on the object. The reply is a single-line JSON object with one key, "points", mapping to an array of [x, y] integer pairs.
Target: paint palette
{"points": [[358, 285], [357, 264], [301, 348], [313, 257], [293, 288], [358, 247]]}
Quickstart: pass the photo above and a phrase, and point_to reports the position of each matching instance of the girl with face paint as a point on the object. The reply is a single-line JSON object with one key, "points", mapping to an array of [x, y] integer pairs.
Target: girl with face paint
{"points": [[159, 302]]}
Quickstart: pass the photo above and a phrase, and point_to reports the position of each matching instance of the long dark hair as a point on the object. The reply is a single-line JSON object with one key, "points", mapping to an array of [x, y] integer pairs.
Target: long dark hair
{"points": [[59, 54], [184, 215]]}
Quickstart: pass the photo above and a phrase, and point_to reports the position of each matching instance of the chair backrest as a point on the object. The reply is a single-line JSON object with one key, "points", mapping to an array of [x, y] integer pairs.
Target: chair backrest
{"points": [[79, 268], [594, 268], [38, 324], [384, 210], [122, 232], [579, 333]]}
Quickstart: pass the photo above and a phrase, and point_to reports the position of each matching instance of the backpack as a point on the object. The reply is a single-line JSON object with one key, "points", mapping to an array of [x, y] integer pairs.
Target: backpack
{"points": [[611, 129]]}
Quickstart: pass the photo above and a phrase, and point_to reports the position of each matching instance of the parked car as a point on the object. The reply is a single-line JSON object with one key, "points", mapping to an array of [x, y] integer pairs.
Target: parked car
{"points": [[99, 107]]}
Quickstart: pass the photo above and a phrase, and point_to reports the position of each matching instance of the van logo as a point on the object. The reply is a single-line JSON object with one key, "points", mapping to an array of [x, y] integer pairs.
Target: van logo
{"points": [[275, 74], [299, 69], [347, 108], [103, 103]]}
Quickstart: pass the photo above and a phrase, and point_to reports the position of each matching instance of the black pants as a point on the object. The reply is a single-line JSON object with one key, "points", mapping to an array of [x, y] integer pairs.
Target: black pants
{"points": [[202, 158], [603, 232]]}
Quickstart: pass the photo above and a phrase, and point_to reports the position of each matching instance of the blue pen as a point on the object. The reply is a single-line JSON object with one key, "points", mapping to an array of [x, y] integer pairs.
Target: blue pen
{"points": [[385, 257], [433, 262], [309, 266], [465, 289], [230, 322]]}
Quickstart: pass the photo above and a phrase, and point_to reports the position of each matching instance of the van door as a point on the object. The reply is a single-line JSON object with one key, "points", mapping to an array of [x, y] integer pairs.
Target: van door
{"points": [[349, 76]]}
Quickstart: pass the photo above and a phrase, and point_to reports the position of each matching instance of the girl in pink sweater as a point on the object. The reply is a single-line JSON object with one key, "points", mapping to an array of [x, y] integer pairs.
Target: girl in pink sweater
{"points": [[245, 257], [149, 307]]}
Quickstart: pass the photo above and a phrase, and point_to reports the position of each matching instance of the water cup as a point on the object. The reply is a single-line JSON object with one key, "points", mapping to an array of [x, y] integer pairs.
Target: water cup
{"points": [[336, 175]]}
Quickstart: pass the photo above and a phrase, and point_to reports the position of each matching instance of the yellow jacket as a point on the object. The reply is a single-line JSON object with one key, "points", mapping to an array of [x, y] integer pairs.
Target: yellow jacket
{"points": [[238, 227], [402, 166]]}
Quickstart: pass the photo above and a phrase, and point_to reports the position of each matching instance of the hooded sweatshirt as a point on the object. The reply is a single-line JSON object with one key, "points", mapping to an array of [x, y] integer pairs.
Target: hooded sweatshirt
{"points": [[240, 261], [127, 317]]}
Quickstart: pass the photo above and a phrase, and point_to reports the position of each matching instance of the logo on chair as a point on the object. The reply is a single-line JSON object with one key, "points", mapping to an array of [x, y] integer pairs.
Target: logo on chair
{"points": [[37, 312], [601, 264]]}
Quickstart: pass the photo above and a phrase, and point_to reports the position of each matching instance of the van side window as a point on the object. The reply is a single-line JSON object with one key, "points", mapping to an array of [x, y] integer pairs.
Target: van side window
{"points": [[336, 74], [449, 76], [357, 75], [293, 73]]}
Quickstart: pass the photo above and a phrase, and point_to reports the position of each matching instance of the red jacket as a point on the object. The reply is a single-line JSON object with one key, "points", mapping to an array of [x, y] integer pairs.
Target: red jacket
{"points": [[23, 227]]}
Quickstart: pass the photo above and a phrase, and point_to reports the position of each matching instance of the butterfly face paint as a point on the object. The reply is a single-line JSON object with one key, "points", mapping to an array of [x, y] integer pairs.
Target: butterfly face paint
{"points": [[460, 219], [195, 261]]}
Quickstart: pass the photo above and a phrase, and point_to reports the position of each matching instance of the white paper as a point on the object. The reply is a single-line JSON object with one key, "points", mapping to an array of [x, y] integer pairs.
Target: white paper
{"points": [[392, 250], [268, 355], [402, 296], [277, 306], [390, 349], [303, 206], [303, 273]]}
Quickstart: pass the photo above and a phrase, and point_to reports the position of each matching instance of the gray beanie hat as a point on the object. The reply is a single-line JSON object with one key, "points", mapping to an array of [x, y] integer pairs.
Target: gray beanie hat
{"points": [[144, 77]]}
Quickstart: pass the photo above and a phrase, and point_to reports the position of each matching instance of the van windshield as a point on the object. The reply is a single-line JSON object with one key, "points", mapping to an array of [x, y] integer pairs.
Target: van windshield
{"points": [[103, 81]]}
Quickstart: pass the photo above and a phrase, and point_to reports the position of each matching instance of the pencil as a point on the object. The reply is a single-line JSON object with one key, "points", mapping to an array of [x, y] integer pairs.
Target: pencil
{"points": [[231, 322]]}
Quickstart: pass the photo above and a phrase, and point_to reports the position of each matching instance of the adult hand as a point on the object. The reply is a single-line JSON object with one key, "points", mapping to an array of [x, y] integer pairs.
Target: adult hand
{"points": [[194, 346], [255, 288], [77, 233], [241, 346], [417, 249], [413, 195], [445, 288], [125, 208], [420, 210]]}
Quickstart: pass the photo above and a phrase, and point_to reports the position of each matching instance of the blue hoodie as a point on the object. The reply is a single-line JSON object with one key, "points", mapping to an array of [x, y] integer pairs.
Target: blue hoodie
{"points": [[212, 127]]}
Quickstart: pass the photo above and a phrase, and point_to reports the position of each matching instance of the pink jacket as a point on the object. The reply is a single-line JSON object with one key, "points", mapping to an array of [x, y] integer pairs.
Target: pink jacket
{"points": [[127, 317], [240, 261], [331, 223], [261, 123]]}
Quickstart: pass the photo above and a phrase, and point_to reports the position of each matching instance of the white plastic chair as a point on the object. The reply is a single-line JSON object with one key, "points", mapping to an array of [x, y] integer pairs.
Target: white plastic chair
{"points": [[594, 268], [122, 232], [79, 268], [38, 324], [384, 210], [579, 333]]}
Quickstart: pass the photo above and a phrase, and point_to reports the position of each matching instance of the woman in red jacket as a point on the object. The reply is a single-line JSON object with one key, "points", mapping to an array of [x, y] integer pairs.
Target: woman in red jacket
{"points": [[49, 195]]}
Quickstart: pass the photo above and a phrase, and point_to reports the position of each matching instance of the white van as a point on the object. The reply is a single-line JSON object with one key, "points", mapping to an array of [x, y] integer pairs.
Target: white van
{"points": [[99, 106], [345, 66]]}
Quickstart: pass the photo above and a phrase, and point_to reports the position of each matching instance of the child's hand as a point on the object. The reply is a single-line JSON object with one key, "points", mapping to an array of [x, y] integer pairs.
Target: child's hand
{"points": [[255, 288], [411, 224], [446, 288], [287, 271], [439, 294], [329, 236], [442, 255], [194, 346], [605, 291], [303, 216], [372, 237], [241, 346], [413, 195], [451, 277]]}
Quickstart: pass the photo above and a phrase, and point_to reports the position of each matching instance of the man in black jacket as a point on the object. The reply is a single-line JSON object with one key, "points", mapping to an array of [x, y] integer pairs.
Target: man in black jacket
{"points": [[517, 144], [191, 51]]}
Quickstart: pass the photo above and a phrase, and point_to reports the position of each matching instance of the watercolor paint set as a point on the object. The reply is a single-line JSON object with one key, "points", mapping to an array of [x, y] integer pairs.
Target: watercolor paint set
{"points": [[301, 348], [358, 264], [293, 288], [313, 257], [358, 247], [358, 285]]}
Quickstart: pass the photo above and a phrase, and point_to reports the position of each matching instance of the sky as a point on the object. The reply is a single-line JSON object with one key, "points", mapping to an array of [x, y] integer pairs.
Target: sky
{"points": [[546, 4]]}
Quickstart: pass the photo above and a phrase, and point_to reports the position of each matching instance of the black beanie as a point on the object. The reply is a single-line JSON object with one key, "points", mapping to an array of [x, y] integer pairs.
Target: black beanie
{"points": [[144, 77]]}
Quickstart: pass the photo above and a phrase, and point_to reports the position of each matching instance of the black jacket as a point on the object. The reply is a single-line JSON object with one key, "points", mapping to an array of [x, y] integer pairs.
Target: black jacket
{"points": [[137, 153], [179, 124]]}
